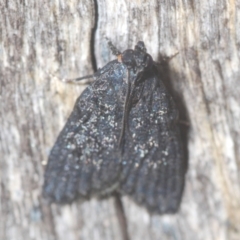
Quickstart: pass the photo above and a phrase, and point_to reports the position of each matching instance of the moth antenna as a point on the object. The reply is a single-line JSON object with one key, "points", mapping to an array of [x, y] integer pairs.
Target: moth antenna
{"points": [[114, 50]]}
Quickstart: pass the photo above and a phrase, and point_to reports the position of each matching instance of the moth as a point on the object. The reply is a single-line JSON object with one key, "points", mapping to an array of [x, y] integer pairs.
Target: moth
{"points": [[122, 136]]}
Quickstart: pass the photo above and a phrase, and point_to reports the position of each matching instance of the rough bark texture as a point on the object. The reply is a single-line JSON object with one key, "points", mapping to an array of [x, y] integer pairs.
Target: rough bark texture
{"points": [[42, 42]]}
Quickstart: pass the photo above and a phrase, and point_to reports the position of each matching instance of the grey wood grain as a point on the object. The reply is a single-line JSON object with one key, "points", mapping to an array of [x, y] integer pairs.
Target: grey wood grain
{"points": [[44, 42]]}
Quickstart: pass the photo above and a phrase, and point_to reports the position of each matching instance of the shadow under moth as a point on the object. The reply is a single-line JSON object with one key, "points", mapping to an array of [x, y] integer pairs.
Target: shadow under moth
{"points": [[122, 136]]}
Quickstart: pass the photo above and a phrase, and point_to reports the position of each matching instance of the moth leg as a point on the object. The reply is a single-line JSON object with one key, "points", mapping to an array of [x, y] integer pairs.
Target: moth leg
{"points": [[77, 80], [165, 59]]}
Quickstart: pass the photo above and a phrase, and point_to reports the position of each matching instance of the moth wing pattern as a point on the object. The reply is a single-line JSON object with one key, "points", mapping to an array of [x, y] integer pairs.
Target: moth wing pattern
{"points": [[154, 167], [108, 145], [84, 160]]}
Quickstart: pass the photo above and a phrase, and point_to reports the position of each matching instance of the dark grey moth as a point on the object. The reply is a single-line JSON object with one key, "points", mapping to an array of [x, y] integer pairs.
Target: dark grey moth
{"points": [[122, 136]]}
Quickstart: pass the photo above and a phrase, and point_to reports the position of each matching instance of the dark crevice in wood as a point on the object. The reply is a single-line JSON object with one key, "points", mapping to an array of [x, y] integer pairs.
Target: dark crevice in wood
{"points": [[121, 216], [93, 34]]}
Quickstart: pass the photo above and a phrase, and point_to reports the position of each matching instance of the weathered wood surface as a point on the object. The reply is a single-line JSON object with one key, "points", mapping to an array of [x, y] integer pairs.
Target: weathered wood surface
{"points": [[42, 42]]}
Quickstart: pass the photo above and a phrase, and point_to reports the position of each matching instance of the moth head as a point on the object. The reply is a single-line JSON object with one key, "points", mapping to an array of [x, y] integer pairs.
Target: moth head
{"points": [[138, 59]]}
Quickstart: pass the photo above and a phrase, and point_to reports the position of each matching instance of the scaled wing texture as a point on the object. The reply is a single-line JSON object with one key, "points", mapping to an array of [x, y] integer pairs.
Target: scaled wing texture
{"points": [[86, 159]]}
